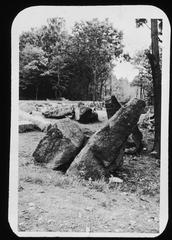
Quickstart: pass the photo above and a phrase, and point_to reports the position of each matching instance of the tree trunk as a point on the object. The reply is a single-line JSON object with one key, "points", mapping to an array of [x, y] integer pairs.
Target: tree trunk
{"points": [[101, 90], [58, 74], [141, 91], [94, 86], [55, 93], [58, 82], [111, 85], [36, 93], [156, 75]]}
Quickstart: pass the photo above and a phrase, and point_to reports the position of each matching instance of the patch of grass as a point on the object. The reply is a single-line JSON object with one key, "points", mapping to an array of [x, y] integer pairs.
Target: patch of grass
{"points": [[141, 175], [98, 185], [34, 179], [63, 181]]}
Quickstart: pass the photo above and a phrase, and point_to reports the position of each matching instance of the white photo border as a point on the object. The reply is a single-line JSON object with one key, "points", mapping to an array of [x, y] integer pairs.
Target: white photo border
{"points": [[139, 11]]}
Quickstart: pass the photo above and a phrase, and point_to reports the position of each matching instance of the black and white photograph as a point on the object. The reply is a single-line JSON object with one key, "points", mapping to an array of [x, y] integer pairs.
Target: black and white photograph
{"points": [[89, 125]]}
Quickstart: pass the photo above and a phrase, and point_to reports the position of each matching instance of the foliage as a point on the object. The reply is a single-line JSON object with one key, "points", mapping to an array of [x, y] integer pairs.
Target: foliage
{"points": [[144, 79], [140, 22], [75, 65], [154, 57], [122, 89], [42, 57], [95, 44], [33, 63]]}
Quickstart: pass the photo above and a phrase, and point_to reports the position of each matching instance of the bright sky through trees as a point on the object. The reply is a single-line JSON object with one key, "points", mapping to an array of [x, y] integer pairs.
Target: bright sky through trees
{"points": [[123, 18]]}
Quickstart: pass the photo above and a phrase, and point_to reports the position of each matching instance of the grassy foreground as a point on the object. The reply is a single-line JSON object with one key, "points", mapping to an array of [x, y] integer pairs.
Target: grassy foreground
{"points": [[51, 201]]}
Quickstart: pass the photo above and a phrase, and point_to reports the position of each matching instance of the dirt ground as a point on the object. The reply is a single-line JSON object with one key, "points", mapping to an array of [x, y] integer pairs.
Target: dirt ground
{"points": [[50, 201]]}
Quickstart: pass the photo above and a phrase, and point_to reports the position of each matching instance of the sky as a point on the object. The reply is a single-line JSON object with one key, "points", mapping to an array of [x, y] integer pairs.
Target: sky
{"points": [[122, 18]]}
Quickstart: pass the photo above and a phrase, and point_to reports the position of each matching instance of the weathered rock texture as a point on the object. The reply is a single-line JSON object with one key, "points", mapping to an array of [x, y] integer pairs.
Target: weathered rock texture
{"points": [[84, 114], [26, 126], [61, 144], [38, 121], [60, 112], [88, 116], [112, 106], [104, 151]]}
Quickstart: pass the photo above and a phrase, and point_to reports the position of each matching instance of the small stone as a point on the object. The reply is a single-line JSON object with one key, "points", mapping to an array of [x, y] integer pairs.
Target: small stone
{"points": [[115, 180], [41, 191], [31, 204], [20, 188]]}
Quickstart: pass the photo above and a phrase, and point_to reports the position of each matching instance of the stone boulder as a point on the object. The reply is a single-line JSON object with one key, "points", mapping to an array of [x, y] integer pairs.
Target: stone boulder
{"points": [[87, 134], [61, 144], [38, 121], [112, 106], [26, 126], [103, 153], [84, 114], [59, 112], [135, 140]]}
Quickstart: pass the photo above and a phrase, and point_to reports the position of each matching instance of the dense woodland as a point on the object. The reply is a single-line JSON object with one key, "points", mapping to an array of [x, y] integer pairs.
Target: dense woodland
{"points": [[78, 65], [54, 63]]}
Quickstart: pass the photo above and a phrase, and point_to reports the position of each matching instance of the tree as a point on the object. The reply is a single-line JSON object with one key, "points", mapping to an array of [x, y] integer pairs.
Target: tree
{"points": [[144, 78], [31, 37], [54, 38], [42, 57], [121, 89], [156, 74], [33, 64], [96, 43], [154, 59], [77, 65]]}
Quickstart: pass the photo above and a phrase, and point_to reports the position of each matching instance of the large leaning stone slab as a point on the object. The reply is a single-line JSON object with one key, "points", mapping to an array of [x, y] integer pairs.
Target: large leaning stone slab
{"points": [[61, 144], [103, 153], [112, 106]]}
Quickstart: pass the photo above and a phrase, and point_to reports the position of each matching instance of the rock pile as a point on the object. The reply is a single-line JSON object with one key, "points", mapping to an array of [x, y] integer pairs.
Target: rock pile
{"points": [[103, 153], [66, 147]]}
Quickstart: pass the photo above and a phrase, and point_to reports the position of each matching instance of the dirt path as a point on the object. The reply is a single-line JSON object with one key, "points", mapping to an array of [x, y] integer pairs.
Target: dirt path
{"points": [[52, 208], [50, 201]]}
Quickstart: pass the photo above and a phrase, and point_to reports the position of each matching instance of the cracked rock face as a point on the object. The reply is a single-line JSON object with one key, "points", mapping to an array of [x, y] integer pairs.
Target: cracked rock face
{"points": [[104, 151], [60, 145]]}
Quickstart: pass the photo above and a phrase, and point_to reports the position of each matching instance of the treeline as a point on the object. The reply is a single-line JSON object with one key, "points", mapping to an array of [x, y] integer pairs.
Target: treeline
{"points": [[55, 63]]}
